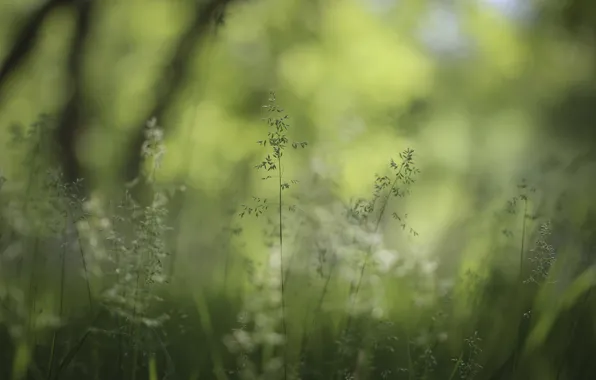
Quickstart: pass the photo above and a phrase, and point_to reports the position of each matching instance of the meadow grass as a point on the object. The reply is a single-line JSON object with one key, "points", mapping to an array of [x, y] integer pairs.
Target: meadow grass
{"points": [[87, 289]]}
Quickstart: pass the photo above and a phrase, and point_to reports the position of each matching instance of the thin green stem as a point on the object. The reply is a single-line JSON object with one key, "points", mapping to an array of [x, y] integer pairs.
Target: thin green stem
{"points": [[356, 289], [281, 262], [456, 367], [523, 240], [60, 311], [33, 290]]}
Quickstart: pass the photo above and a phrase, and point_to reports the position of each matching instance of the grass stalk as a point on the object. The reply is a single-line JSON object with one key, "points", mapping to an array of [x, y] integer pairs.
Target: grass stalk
{"points": [[60, 312], [281, 262]]}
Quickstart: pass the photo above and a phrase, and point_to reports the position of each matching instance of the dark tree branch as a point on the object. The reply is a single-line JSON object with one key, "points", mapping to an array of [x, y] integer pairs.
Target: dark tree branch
{"points": [[25, 41], [71, 119], [172, 79], [74, 118]]}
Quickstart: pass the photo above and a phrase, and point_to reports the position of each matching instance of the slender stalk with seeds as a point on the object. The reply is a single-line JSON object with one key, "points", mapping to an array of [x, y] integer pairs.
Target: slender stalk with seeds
{"points": [[84, 262], [281, 257], [60, 308], [405, 173], [524, 198], [277, 140]]}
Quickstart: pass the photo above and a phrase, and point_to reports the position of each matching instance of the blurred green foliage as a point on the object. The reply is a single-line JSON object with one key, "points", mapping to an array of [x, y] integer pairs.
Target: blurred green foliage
{"points": [[494, 97]]}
